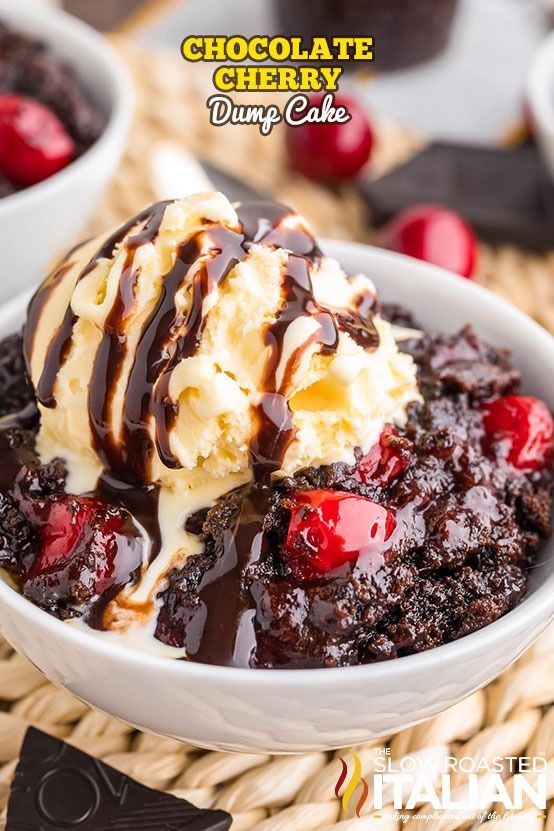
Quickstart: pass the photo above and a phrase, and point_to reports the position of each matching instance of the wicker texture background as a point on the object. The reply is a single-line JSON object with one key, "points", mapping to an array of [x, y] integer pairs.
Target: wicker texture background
{"points": [[514, 716]]}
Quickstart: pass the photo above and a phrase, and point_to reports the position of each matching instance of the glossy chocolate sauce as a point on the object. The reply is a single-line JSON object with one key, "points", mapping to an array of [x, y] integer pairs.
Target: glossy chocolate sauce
{"points": [[58, 351], [60, 344], [361, 329], [35, 309], [141, 502], [222, 632], [170, 336], [112, 350], [151, 218]]}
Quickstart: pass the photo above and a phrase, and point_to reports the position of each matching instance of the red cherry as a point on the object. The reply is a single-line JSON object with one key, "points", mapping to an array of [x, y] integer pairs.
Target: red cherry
{"points": [[386, 460], [522, 430], [67, 524], [434, 234], [329, 528], [34, 144], [326, 151], [60, 533]]}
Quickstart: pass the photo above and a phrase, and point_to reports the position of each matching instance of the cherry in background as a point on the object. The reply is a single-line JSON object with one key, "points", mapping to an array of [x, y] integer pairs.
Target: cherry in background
{"points": [[331, 152], [435, 234], [34, 144]]}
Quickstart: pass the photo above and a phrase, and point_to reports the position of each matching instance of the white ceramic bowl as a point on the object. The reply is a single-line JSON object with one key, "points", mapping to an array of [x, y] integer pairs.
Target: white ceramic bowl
{"points": [[299, 710], [36, 223], [540, 97]]}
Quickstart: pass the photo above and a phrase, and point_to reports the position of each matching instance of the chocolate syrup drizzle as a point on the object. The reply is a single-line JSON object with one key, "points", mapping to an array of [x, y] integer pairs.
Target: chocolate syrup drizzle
{"points": [[112, 350], [35, 308], [59, 344], [223, 630]]}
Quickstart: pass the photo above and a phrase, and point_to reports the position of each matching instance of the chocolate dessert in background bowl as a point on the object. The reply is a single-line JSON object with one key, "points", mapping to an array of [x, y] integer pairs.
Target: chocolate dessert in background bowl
{"points": [[233, 457], [46, 118], [65, 107], [405, 32]]}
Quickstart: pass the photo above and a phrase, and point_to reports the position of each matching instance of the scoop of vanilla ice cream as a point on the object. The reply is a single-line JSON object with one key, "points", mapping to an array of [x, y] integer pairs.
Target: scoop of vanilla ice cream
{"points": [[339, 399]]}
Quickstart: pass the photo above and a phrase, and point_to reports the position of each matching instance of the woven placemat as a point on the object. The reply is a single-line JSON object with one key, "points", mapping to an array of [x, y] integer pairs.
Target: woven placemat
{"points": [[514, 716]]}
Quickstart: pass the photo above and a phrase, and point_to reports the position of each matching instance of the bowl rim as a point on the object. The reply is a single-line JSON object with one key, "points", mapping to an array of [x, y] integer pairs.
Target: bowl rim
{"points": [[536, 609], [540, 85], [121, 92]]}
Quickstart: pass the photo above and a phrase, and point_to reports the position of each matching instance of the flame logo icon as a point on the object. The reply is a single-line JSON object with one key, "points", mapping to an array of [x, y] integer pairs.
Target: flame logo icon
{"points": [[355, 779]]}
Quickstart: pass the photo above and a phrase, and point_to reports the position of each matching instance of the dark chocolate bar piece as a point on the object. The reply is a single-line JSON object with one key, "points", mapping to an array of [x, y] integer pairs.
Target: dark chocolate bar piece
{"points": [[59, 787], [506, 194]]}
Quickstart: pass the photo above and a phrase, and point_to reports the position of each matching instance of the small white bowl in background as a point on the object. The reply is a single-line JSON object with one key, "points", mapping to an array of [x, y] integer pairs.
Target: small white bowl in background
{"points": [[278, 711], [540, 98], [37, 223]]}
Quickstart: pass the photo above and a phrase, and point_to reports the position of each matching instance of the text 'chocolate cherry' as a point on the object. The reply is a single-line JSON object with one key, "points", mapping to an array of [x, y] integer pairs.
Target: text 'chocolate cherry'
{"points": [[331, 151], [521, 429], [434, 234], [34, 143], [330, 528]]}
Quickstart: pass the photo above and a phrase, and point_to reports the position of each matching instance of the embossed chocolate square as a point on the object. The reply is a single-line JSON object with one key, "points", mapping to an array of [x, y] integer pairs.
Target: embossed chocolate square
{"points": [[57, 786], [505, 193]]}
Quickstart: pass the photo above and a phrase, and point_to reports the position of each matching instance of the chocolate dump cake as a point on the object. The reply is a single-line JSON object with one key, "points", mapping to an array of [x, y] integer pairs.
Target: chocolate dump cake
{"points": [[231, 446], [466, 528]]}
